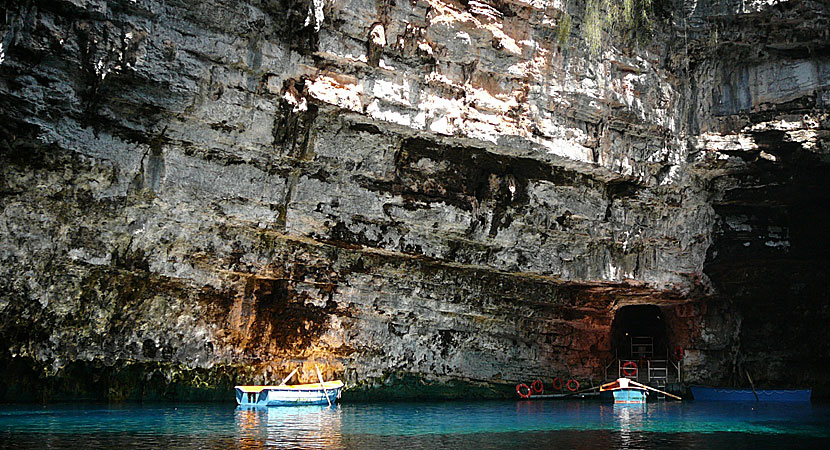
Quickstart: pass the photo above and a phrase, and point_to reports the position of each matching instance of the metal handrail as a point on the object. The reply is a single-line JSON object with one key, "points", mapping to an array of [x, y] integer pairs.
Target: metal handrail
{"points": [[620, 362], [677, 367]]}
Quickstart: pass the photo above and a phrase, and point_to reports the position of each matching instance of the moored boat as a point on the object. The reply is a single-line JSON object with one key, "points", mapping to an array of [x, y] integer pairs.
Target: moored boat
{"points": [[322, 393], [702, 393], [290, 395], [625, 391]]}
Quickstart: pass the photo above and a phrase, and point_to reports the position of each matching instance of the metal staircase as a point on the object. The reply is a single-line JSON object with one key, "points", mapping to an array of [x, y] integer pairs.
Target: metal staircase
{"points": [[642, 347], [657, 373]]}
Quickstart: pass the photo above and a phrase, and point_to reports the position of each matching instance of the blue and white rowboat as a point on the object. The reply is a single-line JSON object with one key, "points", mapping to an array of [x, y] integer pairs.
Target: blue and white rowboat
{"points": [[626, 391], [289, 395]]}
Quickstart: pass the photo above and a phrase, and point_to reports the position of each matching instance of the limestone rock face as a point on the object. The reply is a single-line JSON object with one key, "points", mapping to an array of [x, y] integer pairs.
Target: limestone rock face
{"points": [[201, 193], [762, 128]]}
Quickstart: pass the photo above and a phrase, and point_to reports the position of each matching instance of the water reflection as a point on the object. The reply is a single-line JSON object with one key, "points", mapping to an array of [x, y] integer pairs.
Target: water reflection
{"points": [[288, 427], [630, 419], [512, 425]]}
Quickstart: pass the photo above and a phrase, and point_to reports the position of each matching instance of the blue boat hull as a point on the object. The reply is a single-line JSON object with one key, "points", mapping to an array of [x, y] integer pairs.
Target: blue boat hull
{"points": [[635, 396], [745, 395]]}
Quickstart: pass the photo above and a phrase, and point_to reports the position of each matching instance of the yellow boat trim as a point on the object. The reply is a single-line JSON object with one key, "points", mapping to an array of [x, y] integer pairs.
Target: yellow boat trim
{"points": [[327, 385]]}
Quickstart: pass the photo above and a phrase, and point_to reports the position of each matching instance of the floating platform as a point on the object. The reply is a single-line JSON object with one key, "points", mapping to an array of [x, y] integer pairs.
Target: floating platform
{"points": [[708, 394], [560, 396]]}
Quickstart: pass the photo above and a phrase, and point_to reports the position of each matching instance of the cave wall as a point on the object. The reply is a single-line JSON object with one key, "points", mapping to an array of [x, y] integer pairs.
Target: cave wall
{"points": [[762, 121], [416, 194]]}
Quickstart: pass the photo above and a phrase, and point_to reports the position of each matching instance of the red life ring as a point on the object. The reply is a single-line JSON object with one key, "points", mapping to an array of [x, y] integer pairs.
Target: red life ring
{"points": [[519, 390], [573, 389], [679, 353], [557, 384], [537, 387], [629, 365]]}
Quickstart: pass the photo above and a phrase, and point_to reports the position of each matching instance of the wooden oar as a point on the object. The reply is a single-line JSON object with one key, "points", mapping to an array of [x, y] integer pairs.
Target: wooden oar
{"points": [[583, 391], [587, 390], [753, 385], [655, 390], [288, 377], [320, 376]]}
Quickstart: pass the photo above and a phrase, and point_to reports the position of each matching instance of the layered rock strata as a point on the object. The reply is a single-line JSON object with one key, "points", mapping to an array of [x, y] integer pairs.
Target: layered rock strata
{"points": [[412, 195]]}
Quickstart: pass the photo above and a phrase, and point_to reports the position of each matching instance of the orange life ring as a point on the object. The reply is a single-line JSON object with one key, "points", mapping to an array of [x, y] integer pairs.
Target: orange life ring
{"points": [[679, 353], [519, 390], [537, 387], [557, 384], [573, 389], [629, 365]]}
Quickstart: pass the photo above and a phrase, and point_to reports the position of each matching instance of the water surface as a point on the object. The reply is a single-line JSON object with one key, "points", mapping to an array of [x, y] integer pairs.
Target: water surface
{"points": [[523, 424]]}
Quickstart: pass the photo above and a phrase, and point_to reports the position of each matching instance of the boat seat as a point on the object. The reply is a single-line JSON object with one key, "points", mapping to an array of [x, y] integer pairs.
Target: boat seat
{"points": [[251, 389]]}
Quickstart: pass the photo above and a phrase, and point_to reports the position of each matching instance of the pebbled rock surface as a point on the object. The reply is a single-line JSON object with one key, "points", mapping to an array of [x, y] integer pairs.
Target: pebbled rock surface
{"points": [[426, 198]]}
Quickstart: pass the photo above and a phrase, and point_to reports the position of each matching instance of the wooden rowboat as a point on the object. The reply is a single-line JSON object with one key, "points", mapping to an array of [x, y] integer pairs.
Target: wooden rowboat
{"points": [[630, 391], [290, 394], [625, 391], [322, 393]]}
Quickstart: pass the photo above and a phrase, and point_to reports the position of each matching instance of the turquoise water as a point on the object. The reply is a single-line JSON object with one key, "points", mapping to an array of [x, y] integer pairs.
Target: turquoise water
{"points": [[523, 424]]}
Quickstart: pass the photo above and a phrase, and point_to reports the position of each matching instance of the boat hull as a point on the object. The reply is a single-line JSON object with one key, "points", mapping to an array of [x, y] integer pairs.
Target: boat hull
{"points": [[701, 393], [297, 395], [629, 396]]}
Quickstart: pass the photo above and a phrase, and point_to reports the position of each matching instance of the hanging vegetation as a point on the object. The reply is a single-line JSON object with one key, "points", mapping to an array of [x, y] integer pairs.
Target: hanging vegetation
{"points": [[630, 20]]}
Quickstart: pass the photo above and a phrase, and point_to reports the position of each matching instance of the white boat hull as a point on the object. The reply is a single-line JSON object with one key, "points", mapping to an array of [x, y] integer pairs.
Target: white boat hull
{"points": [[296, 395]]}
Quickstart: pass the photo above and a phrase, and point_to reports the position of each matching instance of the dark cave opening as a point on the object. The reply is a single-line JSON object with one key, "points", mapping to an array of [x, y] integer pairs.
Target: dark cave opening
{"points": [[639, 331], [769, 260]]}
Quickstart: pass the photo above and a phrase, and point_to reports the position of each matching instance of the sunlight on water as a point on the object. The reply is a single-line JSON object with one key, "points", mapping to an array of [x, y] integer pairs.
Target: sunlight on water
{"points": [[301, 426], [525, 424]]}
